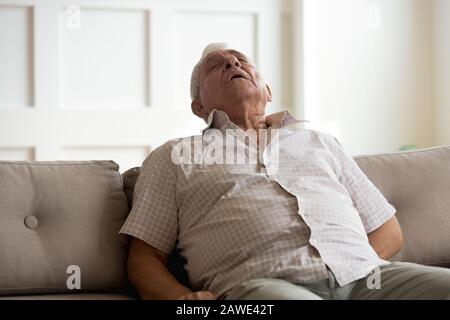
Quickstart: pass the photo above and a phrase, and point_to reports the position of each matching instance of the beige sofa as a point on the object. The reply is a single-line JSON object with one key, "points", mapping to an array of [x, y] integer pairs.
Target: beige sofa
{"points": [[54, 215]]}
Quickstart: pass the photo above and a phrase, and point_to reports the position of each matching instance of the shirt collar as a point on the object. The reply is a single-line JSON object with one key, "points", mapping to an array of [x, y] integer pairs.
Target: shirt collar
{"points": [[218, 119]]}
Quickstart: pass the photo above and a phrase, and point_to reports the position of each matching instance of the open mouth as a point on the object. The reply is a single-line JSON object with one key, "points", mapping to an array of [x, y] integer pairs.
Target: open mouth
{"points": [[237, 76]]}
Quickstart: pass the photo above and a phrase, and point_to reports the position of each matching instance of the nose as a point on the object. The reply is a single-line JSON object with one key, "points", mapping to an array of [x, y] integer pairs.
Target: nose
{"points": [[231, 61]]}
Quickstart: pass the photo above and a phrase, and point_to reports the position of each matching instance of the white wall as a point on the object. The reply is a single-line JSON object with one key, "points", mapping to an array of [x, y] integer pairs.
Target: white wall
{"points": [[441, 58], [109, 79], [368, 78], [63, 96]]}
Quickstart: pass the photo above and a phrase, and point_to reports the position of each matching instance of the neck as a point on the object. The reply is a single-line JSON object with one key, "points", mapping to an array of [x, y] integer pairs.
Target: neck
{"points": [[249, 117]]}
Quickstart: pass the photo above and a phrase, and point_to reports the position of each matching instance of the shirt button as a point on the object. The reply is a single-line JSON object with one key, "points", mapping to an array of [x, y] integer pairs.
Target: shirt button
{"points": [[31, 222]]}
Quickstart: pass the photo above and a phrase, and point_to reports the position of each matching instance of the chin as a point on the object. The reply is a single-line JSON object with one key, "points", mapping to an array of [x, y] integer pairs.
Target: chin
{"points": [[244, 93]]}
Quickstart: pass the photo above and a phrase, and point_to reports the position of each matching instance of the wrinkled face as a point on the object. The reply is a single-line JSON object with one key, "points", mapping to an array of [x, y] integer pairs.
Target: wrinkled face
{"points": [[227, 78]]}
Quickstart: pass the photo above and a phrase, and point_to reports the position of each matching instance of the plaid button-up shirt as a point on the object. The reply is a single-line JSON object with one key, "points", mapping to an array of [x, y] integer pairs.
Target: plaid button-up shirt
{"points": [[292, 220]]}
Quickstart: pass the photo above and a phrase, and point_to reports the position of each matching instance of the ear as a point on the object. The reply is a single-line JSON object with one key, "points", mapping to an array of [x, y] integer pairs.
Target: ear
{"points": [[198, 109], [269, 93]]}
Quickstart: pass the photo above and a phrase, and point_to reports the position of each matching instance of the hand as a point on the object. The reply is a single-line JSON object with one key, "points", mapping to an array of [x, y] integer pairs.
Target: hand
{"points": [[198, 295]]}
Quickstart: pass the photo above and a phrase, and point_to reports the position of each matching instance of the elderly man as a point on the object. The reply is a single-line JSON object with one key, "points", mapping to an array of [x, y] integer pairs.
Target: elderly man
{"points": [[301, 223]]}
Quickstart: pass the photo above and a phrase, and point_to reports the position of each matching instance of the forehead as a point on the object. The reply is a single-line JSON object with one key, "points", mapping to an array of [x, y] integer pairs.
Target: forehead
{"points": [[223, 53]]}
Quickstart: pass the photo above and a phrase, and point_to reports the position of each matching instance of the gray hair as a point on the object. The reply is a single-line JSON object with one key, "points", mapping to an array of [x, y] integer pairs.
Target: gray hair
{"points": [[195, 77]]}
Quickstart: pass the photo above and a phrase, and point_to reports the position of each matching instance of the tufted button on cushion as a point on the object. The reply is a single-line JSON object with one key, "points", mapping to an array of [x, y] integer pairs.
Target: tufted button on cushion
{"points": [[31, 222]]}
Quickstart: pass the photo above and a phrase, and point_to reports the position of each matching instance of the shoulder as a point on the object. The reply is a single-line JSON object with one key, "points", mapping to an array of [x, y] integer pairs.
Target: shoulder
{"points": [[318, 137], [323, 135], [164, 154], [164, 151]]}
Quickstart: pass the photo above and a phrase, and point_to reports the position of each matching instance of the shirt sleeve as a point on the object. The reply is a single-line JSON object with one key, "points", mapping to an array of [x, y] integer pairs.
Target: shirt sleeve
{"points": [[373, 208], [154, 215]]}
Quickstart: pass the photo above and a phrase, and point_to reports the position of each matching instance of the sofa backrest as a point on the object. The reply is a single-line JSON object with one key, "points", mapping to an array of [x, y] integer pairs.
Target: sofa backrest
{"points": [[417, 184], [59, 220]]}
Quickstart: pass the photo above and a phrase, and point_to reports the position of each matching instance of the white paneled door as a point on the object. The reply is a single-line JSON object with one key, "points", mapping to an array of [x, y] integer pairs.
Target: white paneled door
{"points": [[109, 79]]}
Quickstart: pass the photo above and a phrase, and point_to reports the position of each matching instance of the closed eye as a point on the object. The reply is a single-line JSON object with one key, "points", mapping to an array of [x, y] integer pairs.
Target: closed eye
{"points": [[213, 67]]}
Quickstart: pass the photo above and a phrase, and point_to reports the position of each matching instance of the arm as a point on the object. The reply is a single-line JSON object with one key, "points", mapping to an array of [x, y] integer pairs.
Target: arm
{"points": [[148, 273], [376, 213], [387, 239]]}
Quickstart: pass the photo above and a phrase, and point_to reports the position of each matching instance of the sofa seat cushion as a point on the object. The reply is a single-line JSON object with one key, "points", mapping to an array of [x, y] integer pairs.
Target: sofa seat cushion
{"points": [[58, 225]]}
